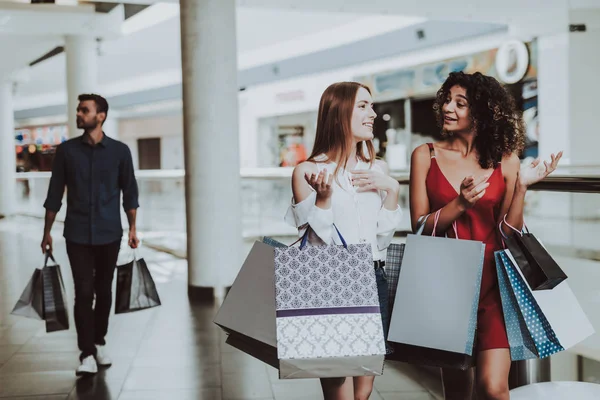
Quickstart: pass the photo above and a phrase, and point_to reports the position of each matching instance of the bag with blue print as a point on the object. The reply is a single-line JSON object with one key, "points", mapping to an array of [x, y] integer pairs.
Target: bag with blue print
{"points": [[538, 323], [302, 309], [328, 315]]}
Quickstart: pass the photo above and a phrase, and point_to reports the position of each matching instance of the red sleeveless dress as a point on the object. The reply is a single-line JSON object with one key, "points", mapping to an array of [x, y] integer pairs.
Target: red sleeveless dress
{"points": [[478, 223]]}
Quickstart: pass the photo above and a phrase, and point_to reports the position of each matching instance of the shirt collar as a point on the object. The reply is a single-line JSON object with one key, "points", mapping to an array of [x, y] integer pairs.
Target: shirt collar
{"points": [[103, 142]]}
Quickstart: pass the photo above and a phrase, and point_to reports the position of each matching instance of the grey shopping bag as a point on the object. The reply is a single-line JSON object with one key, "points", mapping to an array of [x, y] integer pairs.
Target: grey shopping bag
{"points": [[248, 310], [415, 354], [437, 295], [31, 302]]}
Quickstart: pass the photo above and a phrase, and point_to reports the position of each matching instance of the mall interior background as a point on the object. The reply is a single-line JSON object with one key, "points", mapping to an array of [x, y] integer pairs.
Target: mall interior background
{"points": [[403, 58]]}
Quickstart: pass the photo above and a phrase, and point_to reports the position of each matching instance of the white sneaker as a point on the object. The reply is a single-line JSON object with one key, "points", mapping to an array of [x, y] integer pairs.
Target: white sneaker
{"points": [[102, 357], [88, 367]]}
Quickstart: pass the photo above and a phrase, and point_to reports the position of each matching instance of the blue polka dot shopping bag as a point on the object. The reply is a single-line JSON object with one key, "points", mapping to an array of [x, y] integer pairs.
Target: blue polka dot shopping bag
{"points": [[538, 323]]}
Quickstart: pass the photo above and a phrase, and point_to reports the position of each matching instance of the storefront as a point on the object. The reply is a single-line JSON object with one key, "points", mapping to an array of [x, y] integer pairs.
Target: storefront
{"points": [[35, 146]]}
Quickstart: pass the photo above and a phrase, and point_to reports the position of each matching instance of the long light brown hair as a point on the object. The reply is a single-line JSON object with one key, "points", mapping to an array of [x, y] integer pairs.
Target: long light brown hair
{"points": [[334, 126]]}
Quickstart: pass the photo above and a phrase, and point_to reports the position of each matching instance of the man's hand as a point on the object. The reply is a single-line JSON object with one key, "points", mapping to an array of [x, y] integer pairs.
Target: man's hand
{"points": [[47, 243], [133, 239]]}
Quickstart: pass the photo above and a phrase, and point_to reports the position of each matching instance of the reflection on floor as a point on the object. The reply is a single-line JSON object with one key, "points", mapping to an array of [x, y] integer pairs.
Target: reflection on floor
{"points": [[171, 352]]}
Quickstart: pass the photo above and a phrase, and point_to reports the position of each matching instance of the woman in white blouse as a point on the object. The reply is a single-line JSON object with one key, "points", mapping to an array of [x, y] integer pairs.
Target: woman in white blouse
{"points": [[343, 184]]}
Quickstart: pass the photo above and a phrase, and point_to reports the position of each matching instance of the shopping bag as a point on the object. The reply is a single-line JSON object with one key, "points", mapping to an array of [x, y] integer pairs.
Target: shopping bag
{"points": [[249, 307], [136, 289], [415, 354], [55, 298], [328, 317], [520, 339], [247, 313], [537, 265], [553, 318], [393, 263], [259, 350], [434, 314], [31, 302]]}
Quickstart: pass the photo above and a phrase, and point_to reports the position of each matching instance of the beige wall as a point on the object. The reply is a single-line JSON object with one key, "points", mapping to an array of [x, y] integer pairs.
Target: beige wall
{"points": [[169, 128]]}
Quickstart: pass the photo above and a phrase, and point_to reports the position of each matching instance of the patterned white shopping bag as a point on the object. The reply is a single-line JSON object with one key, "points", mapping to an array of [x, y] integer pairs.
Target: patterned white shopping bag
{"points": [[328, 316]]}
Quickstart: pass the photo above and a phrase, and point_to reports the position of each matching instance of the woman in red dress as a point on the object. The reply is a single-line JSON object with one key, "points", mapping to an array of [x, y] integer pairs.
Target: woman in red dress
{"points": [[475, 178]]}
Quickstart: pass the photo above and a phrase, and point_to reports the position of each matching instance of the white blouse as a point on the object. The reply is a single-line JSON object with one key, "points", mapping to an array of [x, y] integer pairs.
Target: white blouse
{"points": [[360, 217]]}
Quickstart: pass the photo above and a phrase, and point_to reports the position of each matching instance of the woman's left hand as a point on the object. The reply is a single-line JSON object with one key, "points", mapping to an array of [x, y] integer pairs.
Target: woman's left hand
{"points": [[535, 172], [367, 180]]}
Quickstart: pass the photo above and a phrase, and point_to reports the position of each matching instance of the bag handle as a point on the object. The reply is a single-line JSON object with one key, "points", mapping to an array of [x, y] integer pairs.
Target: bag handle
{"points": [[421, 224], [435, 222], [423, 220], [135, 253], [304, 239], [503, 236], [49, 256]]}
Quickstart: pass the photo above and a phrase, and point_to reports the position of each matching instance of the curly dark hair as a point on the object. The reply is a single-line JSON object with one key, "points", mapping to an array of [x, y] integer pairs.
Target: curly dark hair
{"points": [[498, 123]]}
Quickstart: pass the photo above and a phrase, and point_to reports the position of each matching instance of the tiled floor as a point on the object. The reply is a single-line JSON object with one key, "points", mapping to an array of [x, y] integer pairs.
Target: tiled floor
{"points": [[171, 352]]}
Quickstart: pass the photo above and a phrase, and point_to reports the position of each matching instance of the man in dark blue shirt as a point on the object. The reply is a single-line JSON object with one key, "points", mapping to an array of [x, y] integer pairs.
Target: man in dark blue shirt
{"points": [[95, 169]]}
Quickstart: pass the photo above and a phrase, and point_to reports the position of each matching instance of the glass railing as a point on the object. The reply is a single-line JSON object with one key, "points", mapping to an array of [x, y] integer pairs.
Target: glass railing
{"points": [[266, 193]]}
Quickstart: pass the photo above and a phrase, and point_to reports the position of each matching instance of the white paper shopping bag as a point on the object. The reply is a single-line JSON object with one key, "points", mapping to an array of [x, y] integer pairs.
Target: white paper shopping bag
{"points": [[328, 314]]}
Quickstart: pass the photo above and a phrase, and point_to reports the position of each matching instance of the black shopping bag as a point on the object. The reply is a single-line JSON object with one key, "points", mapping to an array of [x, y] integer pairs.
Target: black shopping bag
{"points": [[135, 288], [31, 302], [538, 267], [55, 299]]}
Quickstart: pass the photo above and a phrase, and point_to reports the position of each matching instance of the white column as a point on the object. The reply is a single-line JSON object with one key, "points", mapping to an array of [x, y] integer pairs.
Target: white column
{"points": [[553, 114], [82, 74], [8, 162], [584, 87], [211, 143], [111, 126], [553, 98], [568, 63]]}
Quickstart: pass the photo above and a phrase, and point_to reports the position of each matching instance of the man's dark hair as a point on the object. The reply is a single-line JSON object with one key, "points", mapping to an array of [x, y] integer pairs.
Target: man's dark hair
{"points": [[101, 103]]}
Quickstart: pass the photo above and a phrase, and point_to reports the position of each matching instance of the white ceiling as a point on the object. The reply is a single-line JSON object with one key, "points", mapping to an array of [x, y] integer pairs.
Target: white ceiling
{"points": [[47, 19], [153, 54], [482, 10], [22, 50], [375, 6], [266, 29]]}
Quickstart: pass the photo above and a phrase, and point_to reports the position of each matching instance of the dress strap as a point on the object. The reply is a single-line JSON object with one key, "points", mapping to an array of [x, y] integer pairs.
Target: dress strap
{"points": [[431, 150]]}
